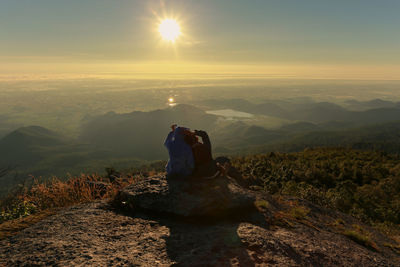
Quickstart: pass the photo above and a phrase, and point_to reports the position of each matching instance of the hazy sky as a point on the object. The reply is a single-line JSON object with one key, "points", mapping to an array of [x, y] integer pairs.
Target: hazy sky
{"points": [[329, 35]]}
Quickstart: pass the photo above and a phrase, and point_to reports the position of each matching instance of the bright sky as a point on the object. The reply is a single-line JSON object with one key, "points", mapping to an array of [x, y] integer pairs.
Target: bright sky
{"points": [[315, 38]]}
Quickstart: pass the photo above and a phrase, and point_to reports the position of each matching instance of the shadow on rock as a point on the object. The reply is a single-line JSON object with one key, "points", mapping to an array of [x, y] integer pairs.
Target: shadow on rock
{"points": [[203, 217]]}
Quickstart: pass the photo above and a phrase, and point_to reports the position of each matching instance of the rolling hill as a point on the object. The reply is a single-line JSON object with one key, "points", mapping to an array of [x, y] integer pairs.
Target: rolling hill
{"points": [[141, 134]]}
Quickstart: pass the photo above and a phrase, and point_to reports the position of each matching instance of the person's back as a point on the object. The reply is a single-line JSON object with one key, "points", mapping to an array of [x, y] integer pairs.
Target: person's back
{"points": [[201, 154], [202, 151], [205, 166], [181, 161]]}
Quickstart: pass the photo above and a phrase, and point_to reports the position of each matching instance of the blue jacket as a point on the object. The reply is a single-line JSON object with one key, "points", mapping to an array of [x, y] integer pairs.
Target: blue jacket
{"points": [[181, 161]]}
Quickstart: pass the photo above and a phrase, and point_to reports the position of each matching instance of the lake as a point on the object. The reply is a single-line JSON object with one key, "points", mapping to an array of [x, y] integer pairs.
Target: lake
{"points": [[230, 113]]}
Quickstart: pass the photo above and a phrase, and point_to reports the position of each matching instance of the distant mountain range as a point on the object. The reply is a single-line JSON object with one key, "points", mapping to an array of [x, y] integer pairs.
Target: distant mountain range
{"points": [[298, 136], [372, 104], [369, 112]]}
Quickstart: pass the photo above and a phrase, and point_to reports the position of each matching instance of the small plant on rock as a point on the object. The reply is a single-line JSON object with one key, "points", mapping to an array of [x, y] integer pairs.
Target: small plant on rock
{"points": [[361, 237]]}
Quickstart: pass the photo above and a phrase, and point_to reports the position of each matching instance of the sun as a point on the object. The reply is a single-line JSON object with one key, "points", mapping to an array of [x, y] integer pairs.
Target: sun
{"points": [[169, 29]]}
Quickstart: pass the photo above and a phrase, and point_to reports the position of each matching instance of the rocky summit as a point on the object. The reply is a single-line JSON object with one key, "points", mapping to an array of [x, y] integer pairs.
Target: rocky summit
{"points": [[197, 222], [192, 197]]}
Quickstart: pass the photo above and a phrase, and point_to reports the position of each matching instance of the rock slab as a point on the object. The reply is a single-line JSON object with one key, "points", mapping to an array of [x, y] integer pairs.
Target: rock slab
{"points": [[189, 197]]}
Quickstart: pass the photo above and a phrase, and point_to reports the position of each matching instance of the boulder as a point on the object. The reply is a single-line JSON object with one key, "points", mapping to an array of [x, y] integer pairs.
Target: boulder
{"points": [[188, 197]]}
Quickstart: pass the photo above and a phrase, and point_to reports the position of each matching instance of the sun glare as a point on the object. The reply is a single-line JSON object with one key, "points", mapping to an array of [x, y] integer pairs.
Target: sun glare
{"points": [[169, 30]]}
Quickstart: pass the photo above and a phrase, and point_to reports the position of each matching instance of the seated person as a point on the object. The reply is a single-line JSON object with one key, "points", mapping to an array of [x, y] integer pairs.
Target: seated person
{"points": [[189, 156], [205, 165], [181, 161]]}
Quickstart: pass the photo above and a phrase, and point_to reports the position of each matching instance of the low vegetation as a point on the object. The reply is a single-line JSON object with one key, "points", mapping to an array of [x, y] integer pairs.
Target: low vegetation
{"points": [[394, 247], [361, 237], [364, 184], [261, 205], [299, 212]]}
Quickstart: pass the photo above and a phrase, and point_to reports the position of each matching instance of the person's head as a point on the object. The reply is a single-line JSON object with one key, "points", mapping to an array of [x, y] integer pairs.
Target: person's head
{"points": [[190, 138]]}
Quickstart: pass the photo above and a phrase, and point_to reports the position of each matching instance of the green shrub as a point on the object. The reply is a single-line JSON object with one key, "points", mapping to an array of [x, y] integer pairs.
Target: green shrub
{"points": [[17, 210]]}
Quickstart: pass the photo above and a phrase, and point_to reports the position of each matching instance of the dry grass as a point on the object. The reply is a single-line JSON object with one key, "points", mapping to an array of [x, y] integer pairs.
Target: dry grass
{"points": [[339, 222], [291, 212], [57, 193], [339, 225], [281, 219], [43, 198], [12, 227], [389, 229]]}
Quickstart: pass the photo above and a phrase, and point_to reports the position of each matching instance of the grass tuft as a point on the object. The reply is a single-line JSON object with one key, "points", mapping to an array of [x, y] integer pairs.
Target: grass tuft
{"points": [[261, 204], [394, 247], [12, 227], [299, 212], [361, 238]]}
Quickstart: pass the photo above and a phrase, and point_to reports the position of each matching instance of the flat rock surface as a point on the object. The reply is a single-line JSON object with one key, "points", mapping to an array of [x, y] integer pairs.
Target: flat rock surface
{"points": [[92, 235]]}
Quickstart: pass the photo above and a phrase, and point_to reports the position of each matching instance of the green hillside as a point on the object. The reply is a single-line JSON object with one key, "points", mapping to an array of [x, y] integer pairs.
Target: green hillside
{"points": [[365, 184]]}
